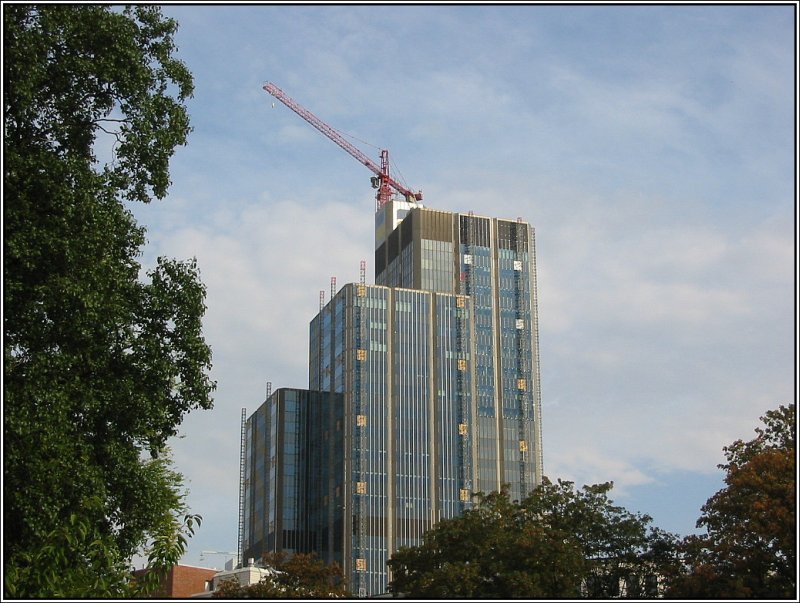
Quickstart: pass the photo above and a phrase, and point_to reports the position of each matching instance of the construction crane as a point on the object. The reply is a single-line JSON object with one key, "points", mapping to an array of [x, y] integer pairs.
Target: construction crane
{"points": [[381, 181]]}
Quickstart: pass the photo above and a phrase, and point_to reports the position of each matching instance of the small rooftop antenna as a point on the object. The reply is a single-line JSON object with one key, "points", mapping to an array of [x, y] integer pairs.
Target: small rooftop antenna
{"points": [[229, 553]]}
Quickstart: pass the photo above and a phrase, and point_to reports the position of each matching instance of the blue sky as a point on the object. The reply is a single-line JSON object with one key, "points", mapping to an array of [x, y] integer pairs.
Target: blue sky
{"points": [[652, 147]]}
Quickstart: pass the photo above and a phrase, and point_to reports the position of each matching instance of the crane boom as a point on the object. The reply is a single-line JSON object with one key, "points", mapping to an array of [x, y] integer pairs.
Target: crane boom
{"points": [[384, 182]]}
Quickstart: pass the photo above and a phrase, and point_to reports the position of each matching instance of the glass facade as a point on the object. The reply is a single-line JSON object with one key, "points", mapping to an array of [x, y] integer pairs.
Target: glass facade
{"points": [[492, 261], [437, 266], [275, 472], [405, 458]]}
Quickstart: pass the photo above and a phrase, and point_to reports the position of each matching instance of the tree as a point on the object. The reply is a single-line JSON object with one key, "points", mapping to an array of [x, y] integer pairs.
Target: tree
{"points": [[99, 367], [491, 551], [555, 543], [749, 548], [300, 575], [78, 557]]}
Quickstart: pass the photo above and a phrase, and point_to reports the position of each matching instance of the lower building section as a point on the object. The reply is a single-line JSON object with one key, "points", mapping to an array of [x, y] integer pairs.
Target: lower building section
{"points": [[276, 468], [400, 362]]}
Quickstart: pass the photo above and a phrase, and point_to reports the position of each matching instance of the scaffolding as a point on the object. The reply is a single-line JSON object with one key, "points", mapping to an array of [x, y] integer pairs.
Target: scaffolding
{"points": [[537, 391], [242, 483]]}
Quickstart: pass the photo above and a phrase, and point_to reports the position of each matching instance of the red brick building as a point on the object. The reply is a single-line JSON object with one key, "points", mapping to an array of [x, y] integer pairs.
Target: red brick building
{"points": [[183, 581]]}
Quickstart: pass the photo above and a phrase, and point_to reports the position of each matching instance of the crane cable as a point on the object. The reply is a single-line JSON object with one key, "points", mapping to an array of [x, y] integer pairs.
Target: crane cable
{"points": [[401, 179]]}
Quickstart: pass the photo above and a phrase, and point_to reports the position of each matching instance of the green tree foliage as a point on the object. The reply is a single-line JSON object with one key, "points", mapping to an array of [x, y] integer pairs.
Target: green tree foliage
{"points": [[296, 576], [749, 549], [79, 559], [99, 367], [558, 542]]}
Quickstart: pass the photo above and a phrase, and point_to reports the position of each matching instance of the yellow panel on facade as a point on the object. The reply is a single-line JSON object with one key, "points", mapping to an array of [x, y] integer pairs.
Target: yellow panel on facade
{"points": [[523, 446], [361, 290], [361, 354], [361, 420], [460, 301], [361, 487], [462, 364], [522, 384], [462, 429], [361, 565], [463, 494]]}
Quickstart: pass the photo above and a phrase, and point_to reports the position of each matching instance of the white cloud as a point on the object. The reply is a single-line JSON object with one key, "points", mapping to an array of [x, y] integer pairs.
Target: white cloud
{"points": [[590, 465], [263, 268], [640, 274]]}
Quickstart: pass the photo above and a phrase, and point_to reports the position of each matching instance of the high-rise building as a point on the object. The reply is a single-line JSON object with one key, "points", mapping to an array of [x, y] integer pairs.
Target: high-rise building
{"points": [[423, 389]]}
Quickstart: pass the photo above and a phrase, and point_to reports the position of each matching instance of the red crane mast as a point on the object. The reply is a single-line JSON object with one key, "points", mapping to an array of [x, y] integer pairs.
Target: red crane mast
{"points": [[383, 181]]}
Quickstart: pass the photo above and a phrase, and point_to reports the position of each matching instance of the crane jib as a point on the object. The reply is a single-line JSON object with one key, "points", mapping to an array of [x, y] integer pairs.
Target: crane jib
{"points": [[382, 171]]}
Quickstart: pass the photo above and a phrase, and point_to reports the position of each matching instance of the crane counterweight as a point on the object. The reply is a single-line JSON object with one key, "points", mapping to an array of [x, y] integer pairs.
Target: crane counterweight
{"points": [[382, 180]]}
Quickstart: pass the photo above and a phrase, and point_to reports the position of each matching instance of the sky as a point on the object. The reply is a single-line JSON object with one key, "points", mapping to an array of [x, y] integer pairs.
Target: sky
{"points": [[652, 148]]}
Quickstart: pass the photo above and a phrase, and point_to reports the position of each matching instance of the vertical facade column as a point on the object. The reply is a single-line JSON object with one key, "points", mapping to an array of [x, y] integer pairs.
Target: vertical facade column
{"points": [[433, 381], [358, 423], [497, 356], [389, 511]]}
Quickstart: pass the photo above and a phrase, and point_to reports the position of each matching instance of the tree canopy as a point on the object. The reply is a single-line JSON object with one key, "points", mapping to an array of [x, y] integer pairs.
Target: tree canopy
{"points": [[100, 367], [749, 548], [297, 576], [558, 542]]}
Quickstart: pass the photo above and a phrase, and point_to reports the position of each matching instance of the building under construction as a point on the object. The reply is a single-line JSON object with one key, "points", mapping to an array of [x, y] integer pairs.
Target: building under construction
{"points": [[423, 390]]}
